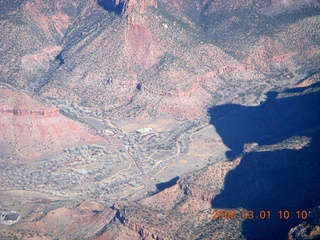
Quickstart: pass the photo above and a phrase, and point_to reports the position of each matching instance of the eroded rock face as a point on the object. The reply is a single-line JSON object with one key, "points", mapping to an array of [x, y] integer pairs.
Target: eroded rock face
{"points": [[137, 6], [30, 129], [310, 229], [161, 57]]}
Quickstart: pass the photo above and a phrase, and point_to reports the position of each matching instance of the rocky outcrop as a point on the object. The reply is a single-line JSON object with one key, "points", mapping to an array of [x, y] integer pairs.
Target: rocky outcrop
{"points": [[68, 222], [143, 231], [310, 229], [136, 6], [189, 199], [208, 182]]}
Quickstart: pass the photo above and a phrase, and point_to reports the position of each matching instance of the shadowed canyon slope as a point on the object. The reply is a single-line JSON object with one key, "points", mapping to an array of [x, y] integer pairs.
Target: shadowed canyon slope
{"points": [[274, 177], [278, 174], [271, 175], [157, 57]]}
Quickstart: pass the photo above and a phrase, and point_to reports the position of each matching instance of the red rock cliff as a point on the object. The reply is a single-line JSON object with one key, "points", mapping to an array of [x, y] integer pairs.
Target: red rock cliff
{"points": [[136, 6]]}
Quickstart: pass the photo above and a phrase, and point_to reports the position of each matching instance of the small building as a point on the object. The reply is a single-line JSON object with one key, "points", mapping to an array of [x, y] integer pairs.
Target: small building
{"points": [[107, 132], [10, 218], [144, 130]]}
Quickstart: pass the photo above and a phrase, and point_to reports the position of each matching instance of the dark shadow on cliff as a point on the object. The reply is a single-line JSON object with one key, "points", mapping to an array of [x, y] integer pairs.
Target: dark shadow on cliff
{"points": [[60, 59], [110, 6], [269, 123], [164, 185], [271, 180]]}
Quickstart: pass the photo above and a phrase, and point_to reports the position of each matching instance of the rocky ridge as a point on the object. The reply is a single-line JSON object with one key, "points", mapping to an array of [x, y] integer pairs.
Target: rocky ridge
{"points": [[310, 229], [156, 57], [136, 6], [23, 118]]}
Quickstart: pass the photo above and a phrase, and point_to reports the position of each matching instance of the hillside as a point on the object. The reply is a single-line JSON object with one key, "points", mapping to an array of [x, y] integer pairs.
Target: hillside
{"points": [[30, 129], [142, 119]]}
